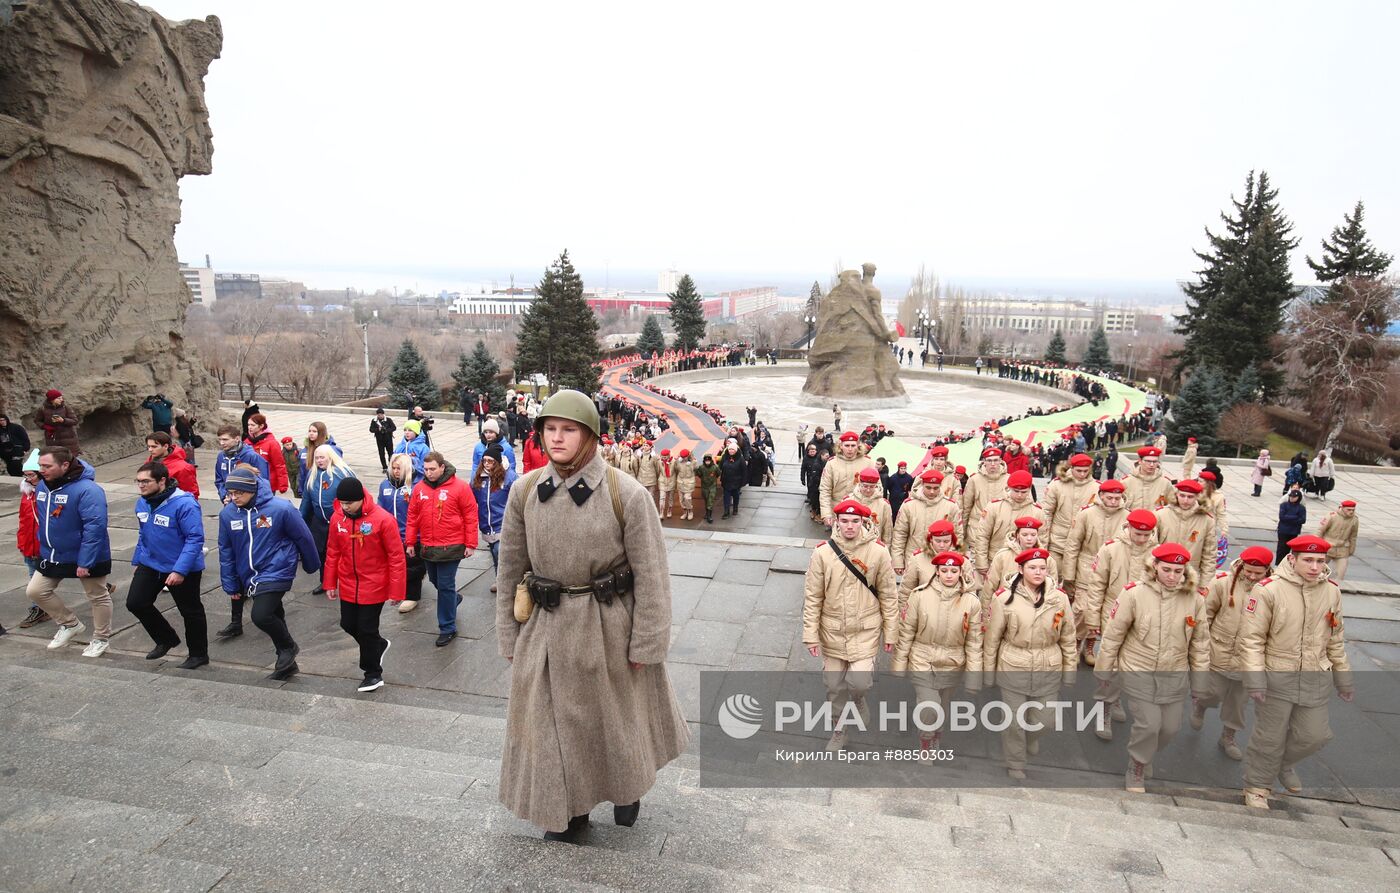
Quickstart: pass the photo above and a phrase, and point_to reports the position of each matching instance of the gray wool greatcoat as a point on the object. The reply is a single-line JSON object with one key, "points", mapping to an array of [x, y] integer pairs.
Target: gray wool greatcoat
{"points": [[582, 726]]}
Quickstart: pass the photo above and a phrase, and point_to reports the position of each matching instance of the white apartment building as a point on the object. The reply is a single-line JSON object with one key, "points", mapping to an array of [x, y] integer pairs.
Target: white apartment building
{"points": [[201, 283], [1046, 315]]}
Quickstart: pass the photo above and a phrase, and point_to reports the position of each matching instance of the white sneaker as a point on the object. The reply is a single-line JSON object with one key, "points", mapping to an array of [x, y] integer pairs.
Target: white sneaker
{"points": [[65, 635], [96, 648], [407, 605]]}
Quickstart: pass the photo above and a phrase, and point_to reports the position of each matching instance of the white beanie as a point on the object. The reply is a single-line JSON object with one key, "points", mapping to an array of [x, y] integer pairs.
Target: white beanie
{"points": [[491, 425]]}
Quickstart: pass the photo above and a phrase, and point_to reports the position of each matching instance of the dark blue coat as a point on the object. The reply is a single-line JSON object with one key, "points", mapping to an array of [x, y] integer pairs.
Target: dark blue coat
{"points": [[73, 526], [261, 544], [171, 537]]}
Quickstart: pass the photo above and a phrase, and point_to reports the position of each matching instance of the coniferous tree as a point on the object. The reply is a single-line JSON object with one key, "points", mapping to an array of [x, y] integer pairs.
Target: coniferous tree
{"points": [[1348, 252], [687, 314], [814, 298], [1196, 410], [559, 332], [1235, 308], [1097, 354], [477, 372], [652, 340], [1055, 350], [1246, 387], [410, 383]]}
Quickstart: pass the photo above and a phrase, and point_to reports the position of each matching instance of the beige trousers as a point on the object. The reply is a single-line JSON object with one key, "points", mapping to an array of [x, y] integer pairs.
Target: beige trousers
{"points": [[41, 591], [665, 500], [846, 680], [1015, 740], [1229, 695], [1284, 735], [1153, 726], [1339, 568]]}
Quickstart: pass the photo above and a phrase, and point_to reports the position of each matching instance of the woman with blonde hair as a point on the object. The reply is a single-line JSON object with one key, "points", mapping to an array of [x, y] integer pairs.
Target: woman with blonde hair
{"points": [[393, 495], [318, 497]]}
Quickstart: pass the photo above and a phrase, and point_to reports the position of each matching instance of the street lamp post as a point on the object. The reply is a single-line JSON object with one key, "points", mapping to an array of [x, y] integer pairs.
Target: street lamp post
{"points": [[923, 329], [811, 321]]}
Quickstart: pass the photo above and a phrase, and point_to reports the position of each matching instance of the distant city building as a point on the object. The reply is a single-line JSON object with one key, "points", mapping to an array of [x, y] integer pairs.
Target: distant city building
{"points": [[490, 304], [1046, 315], [238, 285], [740, 303], [667, 281], [201, 283]]}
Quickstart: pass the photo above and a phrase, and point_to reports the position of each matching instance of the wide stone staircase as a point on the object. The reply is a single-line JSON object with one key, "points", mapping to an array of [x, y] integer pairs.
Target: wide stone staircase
{"points": [[114, 777]]}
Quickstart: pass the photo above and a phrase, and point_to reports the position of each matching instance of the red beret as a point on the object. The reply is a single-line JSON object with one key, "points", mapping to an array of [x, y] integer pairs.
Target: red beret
{"points": [[851, 507], [931, 476], [960, 470], [1113, 486], [1028, 521], [1142, 519], [1207, 475], [1259, 556], [902, 464], [991, 453], [849, 437], [1313, 544], [607, 440], [869, 476], [948, 559], [1171, 553], [1190, 440], [1032, 554], [286, 440], [941, 528], [939, 451], [1348, 503], [1081, 460], [1148, 452], [1019, 480], [1190, 486]]}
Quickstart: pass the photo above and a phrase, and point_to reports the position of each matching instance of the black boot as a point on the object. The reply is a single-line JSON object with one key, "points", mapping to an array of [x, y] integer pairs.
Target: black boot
{"points": [[626, 816], [286, 659], [288, 673], [194, 662], [233, 630], [159, 651], [576, 824]]}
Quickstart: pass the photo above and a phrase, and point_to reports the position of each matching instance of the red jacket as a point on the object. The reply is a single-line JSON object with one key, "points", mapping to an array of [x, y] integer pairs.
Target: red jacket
{"points": [[364, 556], [269, 447], [28, 539], [1018, 462], [532, 456], [442, 515], [182, 471]]}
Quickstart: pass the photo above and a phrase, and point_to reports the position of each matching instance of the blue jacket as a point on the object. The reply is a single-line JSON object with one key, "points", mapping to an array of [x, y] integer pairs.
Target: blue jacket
{"points": [[73, 526], [171, 535], [162, 412], [246, 455], [305, 472], [507, 454], [318, 492], [491, 513], [394, 500], [416, 450], [261, 544], [1291, 518]]}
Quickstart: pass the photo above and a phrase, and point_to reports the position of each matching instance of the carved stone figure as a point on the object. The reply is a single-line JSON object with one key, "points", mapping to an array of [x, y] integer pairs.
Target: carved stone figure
{"points": [[850, 359], [101, 112]]}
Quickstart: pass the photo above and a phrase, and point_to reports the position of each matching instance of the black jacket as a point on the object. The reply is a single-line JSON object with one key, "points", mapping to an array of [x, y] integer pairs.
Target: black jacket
{"points": [[733, 471]]}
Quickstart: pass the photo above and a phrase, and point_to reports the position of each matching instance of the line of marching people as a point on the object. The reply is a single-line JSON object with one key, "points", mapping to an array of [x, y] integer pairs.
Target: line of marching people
{"points": [[985, 586]]}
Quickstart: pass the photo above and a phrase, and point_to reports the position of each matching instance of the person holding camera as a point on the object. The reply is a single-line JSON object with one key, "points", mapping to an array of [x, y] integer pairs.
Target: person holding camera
{"points": [[162, 412]]}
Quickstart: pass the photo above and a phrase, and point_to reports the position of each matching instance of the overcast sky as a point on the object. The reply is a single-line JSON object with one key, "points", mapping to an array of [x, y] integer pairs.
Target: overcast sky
{"points": [[987, 140]]}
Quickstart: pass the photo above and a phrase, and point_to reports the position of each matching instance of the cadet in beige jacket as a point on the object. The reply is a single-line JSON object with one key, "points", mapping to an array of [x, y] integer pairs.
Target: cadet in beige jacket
{"points": [[999, 516], [938, 461], [839, 474], [984, 485], [867, 493], [1117, 563], [1095, 525], [1213, 499], [941, 538], [924, 506], [648, 469], [1065, 499], [1027, 533], [940, 638], [843, 620], [1157, 632], [1292, 652], [1029, 651], [666, 484], [1188, 459], [1188, 522], [1340, 528], [1147, 487], [1225, 601], [685, 485], [627, 460]]}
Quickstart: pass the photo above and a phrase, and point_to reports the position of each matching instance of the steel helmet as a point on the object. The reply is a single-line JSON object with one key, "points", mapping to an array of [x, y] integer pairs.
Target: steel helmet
{"points": [[572, 405]]}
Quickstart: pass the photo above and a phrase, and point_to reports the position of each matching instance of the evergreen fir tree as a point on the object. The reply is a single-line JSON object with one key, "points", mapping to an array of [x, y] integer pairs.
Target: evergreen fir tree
{"points": [[1097, 354], [652, 340], [687, 314], [477, 372], [1235, 308], [1196, 410], [559, 332], [1348, 252], [814, 298], [1246, 387], [410, 383], [1055, 350]]}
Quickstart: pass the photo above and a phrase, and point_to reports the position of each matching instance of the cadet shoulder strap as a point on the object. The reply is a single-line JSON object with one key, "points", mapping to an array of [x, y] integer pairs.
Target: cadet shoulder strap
{"points": [[852, 568]]}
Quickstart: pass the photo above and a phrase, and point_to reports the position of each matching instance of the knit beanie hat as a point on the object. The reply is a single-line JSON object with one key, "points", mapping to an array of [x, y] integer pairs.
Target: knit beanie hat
{"points": [[350, 490], [31, 462], [413, 425], [243, 477], [53, 394], [494, 452]]}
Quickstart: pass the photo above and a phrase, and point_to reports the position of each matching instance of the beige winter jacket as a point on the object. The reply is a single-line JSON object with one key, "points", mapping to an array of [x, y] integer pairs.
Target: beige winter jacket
{"points": [[996, 520], [941, 635], [1030, 649], [841, 615], [684, 469], [1063, 501], [880, 514], [911, 526], [839, 479], [1092, 527], [1004, 564], [976, 496], [1293, 644], [1226, 597], [648, 469], [1195, 530], [1341, 532], [1113, 568], [1153, 638], [920, 572], [1147, 492]]}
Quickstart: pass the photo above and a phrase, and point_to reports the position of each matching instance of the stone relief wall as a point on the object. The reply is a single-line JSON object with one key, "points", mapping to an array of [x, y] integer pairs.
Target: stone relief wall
{"points": [[101, 112]]}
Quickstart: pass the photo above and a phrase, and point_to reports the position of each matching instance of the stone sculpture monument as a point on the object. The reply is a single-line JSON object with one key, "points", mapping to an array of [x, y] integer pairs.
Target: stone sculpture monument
{"points": [[101, 112], [850, 361]]}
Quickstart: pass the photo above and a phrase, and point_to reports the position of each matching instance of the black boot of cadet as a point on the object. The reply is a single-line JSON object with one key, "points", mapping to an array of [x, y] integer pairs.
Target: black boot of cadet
{"points": [[626, 816], [576, 824]]}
